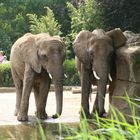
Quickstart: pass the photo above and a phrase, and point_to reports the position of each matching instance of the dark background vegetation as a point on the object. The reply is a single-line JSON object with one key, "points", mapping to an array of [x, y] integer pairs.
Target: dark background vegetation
{"points": [[67, 17]]}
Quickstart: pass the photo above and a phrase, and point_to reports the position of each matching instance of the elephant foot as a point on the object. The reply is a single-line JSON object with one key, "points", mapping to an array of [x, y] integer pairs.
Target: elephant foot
{"points": [[22, 118], [55, 116], [41, 115]]}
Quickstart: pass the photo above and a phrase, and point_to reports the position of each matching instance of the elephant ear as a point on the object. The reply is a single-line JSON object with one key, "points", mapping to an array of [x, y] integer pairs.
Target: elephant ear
{"points": [[118, 37], [80, 46], [30, 53]]}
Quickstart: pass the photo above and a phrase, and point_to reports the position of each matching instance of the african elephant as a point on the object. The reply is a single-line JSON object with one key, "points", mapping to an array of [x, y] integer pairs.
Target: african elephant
{"points": [[35, 60], [95, 51]]}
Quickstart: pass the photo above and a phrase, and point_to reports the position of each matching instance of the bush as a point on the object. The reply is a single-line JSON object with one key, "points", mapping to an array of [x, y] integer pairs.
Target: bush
{"points": [[71, 72], [69, 68], [5, 75]]}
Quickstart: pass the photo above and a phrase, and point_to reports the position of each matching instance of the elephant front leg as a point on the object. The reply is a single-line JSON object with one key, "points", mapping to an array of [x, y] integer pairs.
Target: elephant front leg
{"points": [[86, 86], [42, 99], [27, 87], [101, 91]]}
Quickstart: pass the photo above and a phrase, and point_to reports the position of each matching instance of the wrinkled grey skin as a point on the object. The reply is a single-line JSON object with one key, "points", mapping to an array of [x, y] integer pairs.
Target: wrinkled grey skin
{"points": [[35, 59], [94, 52]]}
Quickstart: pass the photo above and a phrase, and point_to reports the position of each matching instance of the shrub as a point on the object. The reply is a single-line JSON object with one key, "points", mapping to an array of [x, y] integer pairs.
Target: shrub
{"points": [[5, 75], [71, 72], [69, 68]]}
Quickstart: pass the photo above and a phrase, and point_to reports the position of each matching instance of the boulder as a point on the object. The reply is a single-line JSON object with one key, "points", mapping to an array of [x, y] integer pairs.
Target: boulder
{"points": [[128, 76]]}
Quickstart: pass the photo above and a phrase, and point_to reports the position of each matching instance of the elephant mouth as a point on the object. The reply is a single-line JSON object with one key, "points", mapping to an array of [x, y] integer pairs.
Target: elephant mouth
{"points": [[98, 78]]}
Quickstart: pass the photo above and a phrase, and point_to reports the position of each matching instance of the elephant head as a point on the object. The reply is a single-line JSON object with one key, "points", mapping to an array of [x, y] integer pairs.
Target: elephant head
{"points": [[50, 54], [94, 51]]}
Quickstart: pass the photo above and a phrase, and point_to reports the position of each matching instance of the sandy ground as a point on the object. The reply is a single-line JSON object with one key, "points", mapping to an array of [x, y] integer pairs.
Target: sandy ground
{"points": [[70, 114]]}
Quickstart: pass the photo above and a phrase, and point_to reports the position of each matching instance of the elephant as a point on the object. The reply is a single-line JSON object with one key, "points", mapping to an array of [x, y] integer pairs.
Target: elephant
{"points": [[95, 52], [36, 59]]}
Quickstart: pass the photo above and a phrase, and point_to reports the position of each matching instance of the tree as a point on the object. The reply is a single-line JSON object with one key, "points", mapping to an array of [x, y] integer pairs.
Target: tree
{"points": [[60, 10], [46, 23], [5, 43], [85, 16], [121, 13]]}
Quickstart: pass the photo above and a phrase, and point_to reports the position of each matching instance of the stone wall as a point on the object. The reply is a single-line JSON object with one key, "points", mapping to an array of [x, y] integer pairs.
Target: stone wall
{"points": [[128, 75]]}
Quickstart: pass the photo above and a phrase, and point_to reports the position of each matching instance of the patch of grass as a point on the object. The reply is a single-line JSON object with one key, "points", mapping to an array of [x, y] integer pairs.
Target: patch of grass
{"points": [[116, 127]]}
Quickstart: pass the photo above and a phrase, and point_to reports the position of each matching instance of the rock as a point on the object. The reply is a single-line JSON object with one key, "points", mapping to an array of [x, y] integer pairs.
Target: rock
{"points": [[128, 76], [132, 38]]}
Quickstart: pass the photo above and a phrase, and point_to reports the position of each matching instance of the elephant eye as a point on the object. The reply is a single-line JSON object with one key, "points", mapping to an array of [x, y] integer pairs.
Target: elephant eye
{"points": [[44, 57], [91, 53]]}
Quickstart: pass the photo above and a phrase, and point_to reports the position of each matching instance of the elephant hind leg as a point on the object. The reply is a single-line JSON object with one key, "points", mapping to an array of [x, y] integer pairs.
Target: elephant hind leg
{"points": [[36, 94], [19, 87]]}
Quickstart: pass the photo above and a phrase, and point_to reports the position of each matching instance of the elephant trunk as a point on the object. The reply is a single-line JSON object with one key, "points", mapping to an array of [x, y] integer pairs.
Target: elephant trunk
{"points": [[58, 86], [101, 90], [103, 73]]}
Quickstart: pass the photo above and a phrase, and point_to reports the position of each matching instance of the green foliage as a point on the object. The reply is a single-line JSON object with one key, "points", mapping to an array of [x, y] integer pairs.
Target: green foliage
{"points": [[124, 14], [89, 14], [71, 72], [69, 68], [60, 10], [86, 16], [12, 24], [5, 43], [116, 127], [12, 18], [46, 23], [5, 75]]}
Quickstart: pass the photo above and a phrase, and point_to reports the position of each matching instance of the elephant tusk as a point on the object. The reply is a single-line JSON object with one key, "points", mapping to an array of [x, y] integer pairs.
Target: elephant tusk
{"points": [[95, 75], [50, 76], [109, 76], [65, 76]]}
